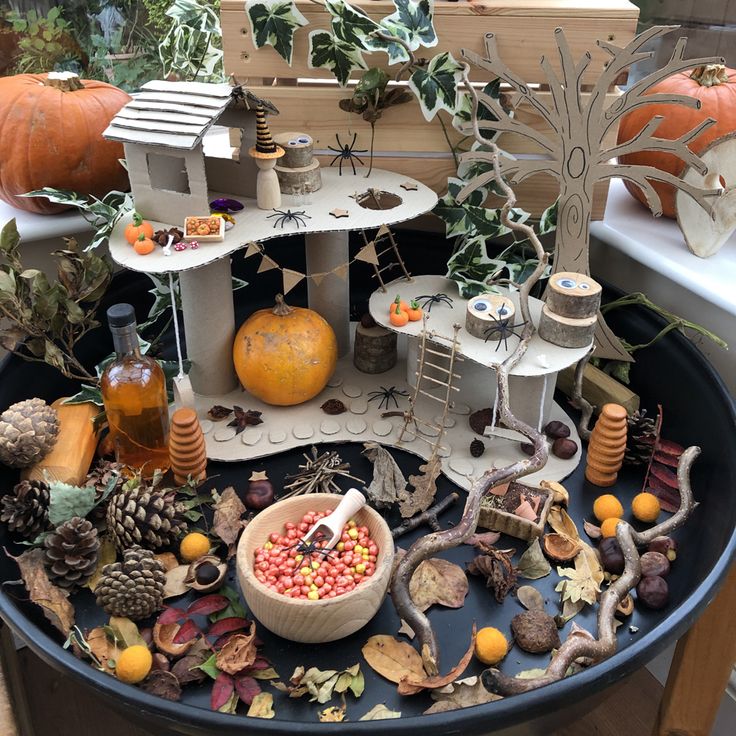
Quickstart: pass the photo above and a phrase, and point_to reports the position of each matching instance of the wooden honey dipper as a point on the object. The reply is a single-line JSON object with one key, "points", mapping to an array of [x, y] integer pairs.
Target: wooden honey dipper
{"points": [[607, 446], [187, 447]]}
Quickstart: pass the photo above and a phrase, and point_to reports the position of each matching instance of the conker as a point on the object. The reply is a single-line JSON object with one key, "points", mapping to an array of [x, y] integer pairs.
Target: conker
{"points": [[147, 636], [564, 448], [665, 546], [260, 492], [653, 592], [207, 573], [160, 662], [556, 430], [654, 563], [527, 448], [612, 557]]}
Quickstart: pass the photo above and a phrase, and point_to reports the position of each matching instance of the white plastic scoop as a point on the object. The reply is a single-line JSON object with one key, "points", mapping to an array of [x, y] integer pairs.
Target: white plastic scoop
{"points": [[330, 528]]}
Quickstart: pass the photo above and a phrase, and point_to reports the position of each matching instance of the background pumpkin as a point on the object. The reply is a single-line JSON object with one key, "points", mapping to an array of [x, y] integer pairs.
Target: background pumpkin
{"points": [[285, 355], [51, 136], [715, 87]]}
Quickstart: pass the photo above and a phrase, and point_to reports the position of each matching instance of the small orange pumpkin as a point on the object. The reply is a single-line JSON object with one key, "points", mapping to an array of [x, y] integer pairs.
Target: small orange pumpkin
{"points": [[137, 227], [285, 355], [143, 246], [397, 316], [414, 311]]}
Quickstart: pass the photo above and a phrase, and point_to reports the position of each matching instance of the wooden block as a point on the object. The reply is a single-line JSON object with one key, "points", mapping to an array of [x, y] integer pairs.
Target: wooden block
{"points": [[70, 459], [599, 388], [525, 32]]}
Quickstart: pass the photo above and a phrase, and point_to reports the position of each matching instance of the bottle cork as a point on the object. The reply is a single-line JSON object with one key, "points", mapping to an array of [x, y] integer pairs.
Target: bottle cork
{"points": [[187, 447], [607, 446]]}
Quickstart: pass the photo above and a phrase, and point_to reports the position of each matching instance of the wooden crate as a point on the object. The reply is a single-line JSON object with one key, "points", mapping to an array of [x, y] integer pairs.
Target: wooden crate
{"points": [[308, 98]]}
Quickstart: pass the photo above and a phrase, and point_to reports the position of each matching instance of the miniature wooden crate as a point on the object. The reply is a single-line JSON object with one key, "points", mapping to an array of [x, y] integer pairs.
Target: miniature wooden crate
{"points": [[513, 525], [405, 142]]}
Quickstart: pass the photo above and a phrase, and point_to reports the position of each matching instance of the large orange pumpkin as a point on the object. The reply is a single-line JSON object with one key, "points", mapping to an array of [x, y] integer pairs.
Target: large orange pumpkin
{"points": [[715, 87], [51, 136], [285, 355]]}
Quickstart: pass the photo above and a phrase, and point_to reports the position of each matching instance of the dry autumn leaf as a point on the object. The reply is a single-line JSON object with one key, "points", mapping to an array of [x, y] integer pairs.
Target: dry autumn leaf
{"points": [[530, 598], [52, 599], [168, 560], [333, 714], [460, 694], [104, 649], [438, 581], [409, 684], [106, 556], [425, 489], [585, 578], [393, 659], [561, 522], [227, 522], [262, 706], [238, 653], [380, 713], [533, 564], [175, 584]]}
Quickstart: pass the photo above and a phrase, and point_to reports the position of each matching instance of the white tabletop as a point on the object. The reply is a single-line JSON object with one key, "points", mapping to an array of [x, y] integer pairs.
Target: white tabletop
{"points": [[658, 244], [33, 227]]}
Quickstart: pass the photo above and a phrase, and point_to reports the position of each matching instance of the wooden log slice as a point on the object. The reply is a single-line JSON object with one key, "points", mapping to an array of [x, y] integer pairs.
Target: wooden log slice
{"points": [[302, 180], [298, 149], [485, 310], [573, 295], [566, 332], [375, 349]]}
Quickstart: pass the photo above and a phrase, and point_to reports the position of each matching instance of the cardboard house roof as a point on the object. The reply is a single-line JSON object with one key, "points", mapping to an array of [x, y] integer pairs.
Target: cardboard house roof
{"points": [[173, 114]]}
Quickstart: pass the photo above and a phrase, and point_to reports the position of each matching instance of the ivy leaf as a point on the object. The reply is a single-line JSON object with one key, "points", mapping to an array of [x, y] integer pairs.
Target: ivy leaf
{"points": [[548, 220], [436, 85], [329, 52], [67, 501], [274, 24], [465, 108], [350, 24], [412, 22]]}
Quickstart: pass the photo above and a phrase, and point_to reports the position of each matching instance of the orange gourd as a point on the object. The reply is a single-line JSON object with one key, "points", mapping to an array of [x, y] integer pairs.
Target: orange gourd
{"points": [[285, 355], [51, 136], [143, 246], [714, 86], [414, 311], [397, 316], [137, 227], [400, 303]]}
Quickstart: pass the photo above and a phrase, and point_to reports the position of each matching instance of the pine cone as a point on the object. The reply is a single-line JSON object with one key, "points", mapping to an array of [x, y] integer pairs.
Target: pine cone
{"points": [[99, 478], [26, 509], [28, 431], [133, 588], [477, 448], [71, 553], [145, 516], [642, 434]]}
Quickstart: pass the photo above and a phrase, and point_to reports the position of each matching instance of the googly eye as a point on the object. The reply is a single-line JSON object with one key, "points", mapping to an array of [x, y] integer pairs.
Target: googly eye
{"points": [[294, 142], [584, 286], [502, 310], [481, 306], [303, 139], [567, 283]]}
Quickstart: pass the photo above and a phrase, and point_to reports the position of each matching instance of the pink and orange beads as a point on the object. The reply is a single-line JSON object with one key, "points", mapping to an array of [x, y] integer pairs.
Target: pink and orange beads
{"points": [[286, 567]]}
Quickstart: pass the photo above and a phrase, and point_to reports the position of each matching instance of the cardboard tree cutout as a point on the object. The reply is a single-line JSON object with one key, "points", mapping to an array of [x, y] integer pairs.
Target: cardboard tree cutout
{"points": [[576, 154]]}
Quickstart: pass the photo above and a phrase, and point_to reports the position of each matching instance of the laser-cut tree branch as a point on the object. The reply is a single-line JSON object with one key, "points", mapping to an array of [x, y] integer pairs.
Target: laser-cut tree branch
{"points": [[436, 542], [578, 123], [604, 645]]}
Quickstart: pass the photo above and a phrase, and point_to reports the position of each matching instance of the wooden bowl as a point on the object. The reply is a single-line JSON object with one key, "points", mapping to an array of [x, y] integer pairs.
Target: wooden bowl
{"points": [[304, 620]]}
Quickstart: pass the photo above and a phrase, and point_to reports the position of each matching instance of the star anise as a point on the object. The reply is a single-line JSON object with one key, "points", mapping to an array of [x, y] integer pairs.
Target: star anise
{"points": [[217, 412], [498, 570], [245, 418]]}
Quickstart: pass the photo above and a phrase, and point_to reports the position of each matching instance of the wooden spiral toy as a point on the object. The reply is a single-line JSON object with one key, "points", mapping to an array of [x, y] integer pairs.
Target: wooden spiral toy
{"points": [[607, 446], [186, 447]]}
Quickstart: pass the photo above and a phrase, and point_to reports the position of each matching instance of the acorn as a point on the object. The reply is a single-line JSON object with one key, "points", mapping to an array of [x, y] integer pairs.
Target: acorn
{"points": [[260, 492]]}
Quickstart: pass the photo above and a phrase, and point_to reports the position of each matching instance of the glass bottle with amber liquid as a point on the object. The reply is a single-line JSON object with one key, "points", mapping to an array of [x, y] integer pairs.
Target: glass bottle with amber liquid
{"points": [[134, 394]]}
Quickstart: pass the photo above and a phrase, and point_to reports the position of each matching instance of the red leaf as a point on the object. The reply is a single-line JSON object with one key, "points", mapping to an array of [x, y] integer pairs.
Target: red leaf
{"points": [[665, 475], [669, 448], [226, 625], [671, 460], [669, 500], [209, 604], [247, 688], [222, 689], [187, 632], [171, 616], [260, 664]]}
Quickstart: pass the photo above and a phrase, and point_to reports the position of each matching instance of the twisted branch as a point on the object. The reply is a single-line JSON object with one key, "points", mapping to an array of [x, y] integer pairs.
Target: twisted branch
{"points": [[576, 647], [436, 542], [577, 399]]}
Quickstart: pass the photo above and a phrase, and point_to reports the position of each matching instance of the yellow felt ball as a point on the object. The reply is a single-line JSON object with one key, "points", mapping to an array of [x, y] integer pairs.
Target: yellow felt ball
{"points": [[607, 507], [646, 507], [608, 527], [133, 664], [193, 546], [490, 645]]}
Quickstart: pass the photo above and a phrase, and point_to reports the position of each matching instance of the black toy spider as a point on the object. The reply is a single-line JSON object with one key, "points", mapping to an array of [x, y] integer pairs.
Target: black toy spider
{"points": [[430, 299], [310, 548], [501, 330], [347, 153], [283, 217], [386, 396]]}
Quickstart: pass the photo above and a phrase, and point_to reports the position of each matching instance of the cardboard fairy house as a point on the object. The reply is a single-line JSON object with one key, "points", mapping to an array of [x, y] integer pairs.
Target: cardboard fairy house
{"points": [[162, 131]]}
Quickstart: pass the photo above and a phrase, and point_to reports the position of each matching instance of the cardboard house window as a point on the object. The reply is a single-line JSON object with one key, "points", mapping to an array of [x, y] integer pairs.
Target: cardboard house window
{"points": [[168, 172]]}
